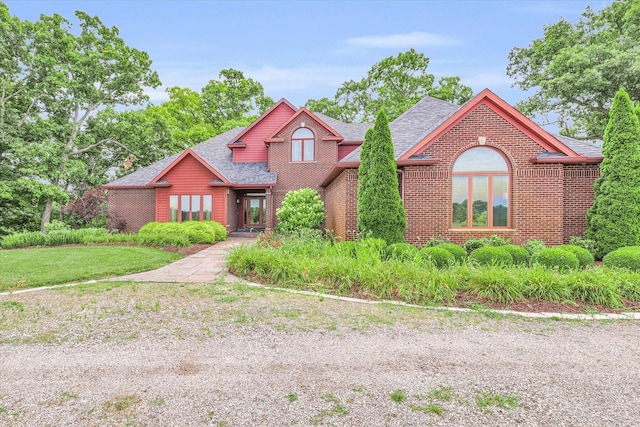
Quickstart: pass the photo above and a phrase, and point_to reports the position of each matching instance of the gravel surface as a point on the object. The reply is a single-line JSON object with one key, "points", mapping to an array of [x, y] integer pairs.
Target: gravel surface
{"points": [[229, 355]]}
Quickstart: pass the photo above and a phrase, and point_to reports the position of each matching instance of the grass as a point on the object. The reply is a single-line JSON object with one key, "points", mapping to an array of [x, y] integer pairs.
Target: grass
{"points": [[485, 400], [29, 268], [398, 396], [318, 265]]}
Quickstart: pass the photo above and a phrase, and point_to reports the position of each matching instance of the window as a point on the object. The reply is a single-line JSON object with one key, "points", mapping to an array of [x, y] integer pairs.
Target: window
{"points": [[194, 207], [302, 146], [481, 175]]}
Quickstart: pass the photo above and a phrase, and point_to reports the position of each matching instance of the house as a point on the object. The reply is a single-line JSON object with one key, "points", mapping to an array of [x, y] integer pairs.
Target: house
{"points": [[524, 183]]}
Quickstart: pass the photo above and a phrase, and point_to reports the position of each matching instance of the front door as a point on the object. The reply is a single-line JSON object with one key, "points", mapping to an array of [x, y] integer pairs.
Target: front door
{"points": [[255, 212]]}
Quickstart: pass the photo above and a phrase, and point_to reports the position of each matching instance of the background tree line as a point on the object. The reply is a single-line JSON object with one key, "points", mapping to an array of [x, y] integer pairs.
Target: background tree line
{"points": [[74, 113]]}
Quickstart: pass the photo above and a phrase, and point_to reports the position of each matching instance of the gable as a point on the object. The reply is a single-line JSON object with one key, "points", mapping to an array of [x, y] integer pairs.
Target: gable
{"points": [[187, 171], [249, 146], [510, 116], [303, 114]]}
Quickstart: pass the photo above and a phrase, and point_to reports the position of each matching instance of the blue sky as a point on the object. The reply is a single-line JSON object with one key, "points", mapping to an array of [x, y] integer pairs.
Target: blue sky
{"points": [[307, 49]]}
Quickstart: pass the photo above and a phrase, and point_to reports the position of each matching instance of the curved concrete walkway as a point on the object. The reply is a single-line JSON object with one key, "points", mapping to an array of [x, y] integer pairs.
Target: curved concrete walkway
{"points": [[203, 266]]}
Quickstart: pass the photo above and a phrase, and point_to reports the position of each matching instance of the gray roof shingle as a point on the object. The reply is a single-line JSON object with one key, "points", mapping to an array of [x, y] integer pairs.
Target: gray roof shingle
{"points": [[349, 131], [414, 125], [216, 153], [584, 148]]}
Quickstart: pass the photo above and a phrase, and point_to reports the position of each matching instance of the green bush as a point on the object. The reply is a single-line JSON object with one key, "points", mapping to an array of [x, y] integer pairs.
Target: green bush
{"points": [[401, 251], [458, 252], [473, 244], [534, 246], [585, 259], [194, 231], [199, 232], [163, 239], [518, 253], [434, 241], [437, 256], [301, 209], [587, 244], [371, 249], [625, 257], [561, 259], [491, 255]]}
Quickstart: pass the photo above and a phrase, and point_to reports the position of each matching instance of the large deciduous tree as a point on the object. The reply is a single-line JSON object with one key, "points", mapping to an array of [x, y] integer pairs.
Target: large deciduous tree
{"points": [[380, 212], [576, 69], [614, 219], [53, 81], [396, 83]]}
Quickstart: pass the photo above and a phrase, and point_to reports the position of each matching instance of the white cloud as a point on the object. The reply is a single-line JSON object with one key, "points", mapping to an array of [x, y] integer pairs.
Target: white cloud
{"points": [[402, 41]]}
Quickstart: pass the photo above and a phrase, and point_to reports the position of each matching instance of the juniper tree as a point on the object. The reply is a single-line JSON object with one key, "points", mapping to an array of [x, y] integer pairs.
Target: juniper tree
{"points": [[380, 210], [614, 219]]}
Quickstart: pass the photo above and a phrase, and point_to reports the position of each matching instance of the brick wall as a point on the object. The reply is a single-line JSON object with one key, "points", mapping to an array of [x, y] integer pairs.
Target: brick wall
{"points": [[548, 201], [135, 205], [296, 175], [578, 197]]}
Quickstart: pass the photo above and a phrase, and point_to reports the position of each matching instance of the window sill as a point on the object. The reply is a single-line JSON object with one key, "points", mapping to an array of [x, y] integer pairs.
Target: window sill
{"points": [[468, 230]]}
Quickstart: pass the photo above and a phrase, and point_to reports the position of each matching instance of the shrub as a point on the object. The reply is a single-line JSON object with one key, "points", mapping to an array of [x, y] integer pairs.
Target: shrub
{"points": [[534, 246], [587, 244], [372, 249], [23, 240], [625, 257], [561, 259], [401, 251], [56, 225], [199, 232], [437, 256], [491, 255], [301, 209], [163, 239], [458, 252], [473, 244], [434, 241], [518, 253], [194, 231], [346, 248], [585, 259]]}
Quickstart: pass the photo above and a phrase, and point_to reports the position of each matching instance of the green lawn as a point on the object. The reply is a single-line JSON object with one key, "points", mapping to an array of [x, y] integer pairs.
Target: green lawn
{"points": [[29, 268]]}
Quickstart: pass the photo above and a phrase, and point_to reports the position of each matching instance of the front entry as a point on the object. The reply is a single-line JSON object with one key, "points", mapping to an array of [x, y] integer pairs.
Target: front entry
{"points": [[255, 211]]}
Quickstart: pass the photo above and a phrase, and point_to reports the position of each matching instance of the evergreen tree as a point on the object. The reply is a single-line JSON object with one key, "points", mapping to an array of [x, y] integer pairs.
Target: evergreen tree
{"points": [[614, 219], [380, 210]]}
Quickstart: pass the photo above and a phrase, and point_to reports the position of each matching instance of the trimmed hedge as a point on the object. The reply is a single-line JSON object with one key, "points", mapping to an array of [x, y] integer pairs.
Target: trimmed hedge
{"points": [[194, 231], [626, 257], [491, 255], [519, 254], [458, 252], [585, 258], [561, 259], [437, 256]]}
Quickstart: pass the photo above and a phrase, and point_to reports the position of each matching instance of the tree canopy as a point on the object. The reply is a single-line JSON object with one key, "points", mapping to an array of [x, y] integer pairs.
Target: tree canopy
{"points": [[614, 219], [576, 69], [395, 83], [53, 81]]}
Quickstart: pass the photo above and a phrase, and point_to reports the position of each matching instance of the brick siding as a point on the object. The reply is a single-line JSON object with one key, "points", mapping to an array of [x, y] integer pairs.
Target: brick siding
{"points": [[135, 205]]}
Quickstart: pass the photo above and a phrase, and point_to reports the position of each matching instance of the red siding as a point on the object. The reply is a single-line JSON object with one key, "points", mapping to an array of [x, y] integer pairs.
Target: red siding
{"points": [[191, 177], [344, 150], [256, 150]]}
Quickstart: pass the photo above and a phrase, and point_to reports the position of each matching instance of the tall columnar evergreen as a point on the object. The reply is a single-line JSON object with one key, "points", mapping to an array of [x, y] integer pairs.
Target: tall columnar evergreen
{"points": [[614, 219], [380, 210]]}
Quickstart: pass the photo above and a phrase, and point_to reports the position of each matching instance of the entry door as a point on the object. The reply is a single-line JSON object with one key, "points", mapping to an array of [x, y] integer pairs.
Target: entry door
{"points": [[255, 212]]}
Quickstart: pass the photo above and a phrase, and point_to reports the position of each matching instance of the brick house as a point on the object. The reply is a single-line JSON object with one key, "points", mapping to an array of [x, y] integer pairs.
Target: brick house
{"points": [[525, 183]]}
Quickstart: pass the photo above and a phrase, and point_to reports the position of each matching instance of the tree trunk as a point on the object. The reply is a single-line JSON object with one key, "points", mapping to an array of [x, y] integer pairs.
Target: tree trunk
{"points": [[46, 215]]}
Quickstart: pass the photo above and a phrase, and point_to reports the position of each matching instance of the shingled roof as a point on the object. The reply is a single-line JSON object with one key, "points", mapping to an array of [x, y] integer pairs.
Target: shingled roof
{"points": [[216, 153], [413, 125]]}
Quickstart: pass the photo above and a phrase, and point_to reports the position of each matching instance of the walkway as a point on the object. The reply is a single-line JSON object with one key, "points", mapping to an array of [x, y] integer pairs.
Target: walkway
{"points": [[203, 266]]}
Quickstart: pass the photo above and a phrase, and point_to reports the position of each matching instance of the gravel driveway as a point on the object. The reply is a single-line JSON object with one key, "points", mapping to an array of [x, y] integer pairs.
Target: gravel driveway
{"points": [[229, 355]]}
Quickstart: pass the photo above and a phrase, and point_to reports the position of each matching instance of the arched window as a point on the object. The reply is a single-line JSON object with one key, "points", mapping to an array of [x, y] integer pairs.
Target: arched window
{"points": [[481, 175], [302, 146]]}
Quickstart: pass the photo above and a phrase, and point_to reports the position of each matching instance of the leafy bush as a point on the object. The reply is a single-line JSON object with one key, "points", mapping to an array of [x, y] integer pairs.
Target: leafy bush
{"points": [[56, 225], [401, 251], [371, 249], [585, 259], [587, 244], [561, 259], [435, 241], [518, 253], [473, 244], [346, 248], [301, 209], [534, 246], [194, 231], [437, 256], [491, 255], [625, 257], [458, 252], [163, 239]]}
